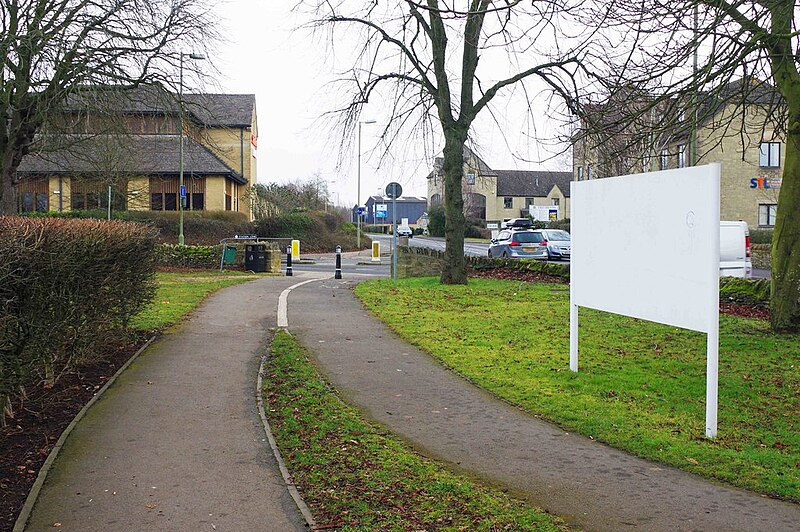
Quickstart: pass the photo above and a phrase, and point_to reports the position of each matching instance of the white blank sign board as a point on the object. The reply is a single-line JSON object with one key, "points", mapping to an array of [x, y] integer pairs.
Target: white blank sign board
{"points": [[647, 246]]}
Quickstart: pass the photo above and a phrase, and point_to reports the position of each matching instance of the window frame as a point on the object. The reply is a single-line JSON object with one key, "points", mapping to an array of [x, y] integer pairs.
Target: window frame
{"points": [[508, 202], [681, 155], [765, 158], [769, 214]]}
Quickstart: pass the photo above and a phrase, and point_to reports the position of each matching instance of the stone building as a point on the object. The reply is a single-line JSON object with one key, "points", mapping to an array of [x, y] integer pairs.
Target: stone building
{"points": [[736, 128], [127, 141], [494, 195]]}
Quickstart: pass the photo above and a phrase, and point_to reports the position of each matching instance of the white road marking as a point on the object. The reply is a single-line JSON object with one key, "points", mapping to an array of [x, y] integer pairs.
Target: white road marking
{"points": [[283, 302]]}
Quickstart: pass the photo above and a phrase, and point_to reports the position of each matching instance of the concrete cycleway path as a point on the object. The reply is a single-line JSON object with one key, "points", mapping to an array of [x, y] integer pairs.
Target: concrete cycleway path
{"points": [[591, 485], [177, 443]]}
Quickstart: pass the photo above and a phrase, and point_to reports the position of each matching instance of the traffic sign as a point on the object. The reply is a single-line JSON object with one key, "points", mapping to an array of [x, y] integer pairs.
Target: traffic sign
{"points": [[381, 210], [183, 191], [394, 190], [360, 210]]}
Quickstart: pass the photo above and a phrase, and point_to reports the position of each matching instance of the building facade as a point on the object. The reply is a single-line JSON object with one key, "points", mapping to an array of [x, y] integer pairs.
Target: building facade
{"points": [[495, 195], [126, 145], [739, 134], [410, 207]]}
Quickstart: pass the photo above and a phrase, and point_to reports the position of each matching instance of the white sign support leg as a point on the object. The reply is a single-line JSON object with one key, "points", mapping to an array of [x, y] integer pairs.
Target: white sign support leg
{"points": [[712, 370], [573, 337]]}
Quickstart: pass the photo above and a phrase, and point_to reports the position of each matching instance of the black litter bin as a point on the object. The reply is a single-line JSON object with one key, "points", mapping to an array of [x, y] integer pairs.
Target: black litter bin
{"points": [[255, 257]]}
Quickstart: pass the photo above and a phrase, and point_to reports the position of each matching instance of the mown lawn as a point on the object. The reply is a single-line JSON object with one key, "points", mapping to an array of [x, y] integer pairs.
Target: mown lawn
{"points": [[356, 476], [641, 386], [178, 293]]}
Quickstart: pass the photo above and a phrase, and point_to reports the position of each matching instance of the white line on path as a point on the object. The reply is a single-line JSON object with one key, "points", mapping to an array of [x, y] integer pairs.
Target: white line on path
{"points": [[283, 302]]}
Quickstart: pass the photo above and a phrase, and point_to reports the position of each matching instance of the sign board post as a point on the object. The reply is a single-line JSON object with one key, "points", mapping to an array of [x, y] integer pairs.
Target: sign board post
{"points": [[669, 235], [394, 191]]}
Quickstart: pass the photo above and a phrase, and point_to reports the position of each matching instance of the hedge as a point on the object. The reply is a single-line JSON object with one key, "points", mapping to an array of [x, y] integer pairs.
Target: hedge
{"points": [[68, 287]]}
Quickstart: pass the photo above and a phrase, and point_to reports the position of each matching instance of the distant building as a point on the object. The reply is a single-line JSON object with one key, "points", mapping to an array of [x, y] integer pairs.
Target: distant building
{"points": [[494, 195], [129, 139], [736, 129], [410, 207]]}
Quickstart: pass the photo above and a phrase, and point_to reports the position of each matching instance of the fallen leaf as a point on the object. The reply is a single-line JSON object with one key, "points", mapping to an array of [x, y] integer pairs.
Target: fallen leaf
{"points": [[692, 461]]}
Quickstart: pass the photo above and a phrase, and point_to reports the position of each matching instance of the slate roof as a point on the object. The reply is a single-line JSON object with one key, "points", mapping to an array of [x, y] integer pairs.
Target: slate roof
{"points": [[531, 183], [483, 168], [134, 154], [210, 110]]}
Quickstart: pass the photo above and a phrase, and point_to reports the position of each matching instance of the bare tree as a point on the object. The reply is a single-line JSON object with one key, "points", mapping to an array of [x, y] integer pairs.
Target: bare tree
{"points": [[687, 59], [50, 48], [428, 52]]}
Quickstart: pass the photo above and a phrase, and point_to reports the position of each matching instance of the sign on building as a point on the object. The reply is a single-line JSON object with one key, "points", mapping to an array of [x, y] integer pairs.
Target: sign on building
{"points": [[381, 210]]}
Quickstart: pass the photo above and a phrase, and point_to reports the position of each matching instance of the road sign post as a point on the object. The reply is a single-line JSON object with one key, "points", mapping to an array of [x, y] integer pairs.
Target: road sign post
{"points": [[394, 190]]}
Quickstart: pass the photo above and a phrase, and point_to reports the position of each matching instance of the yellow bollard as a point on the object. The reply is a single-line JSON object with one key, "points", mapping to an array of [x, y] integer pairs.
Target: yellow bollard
{"points": [[376, 251], [295, 250]]}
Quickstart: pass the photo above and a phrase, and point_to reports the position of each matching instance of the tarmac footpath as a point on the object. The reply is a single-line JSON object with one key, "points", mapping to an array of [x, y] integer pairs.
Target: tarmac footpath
{"points": [[591, 485], [176, 443]]}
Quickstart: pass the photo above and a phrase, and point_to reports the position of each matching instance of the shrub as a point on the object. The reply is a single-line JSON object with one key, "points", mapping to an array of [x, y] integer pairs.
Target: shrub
{"points": [[761, 236], [436, 220], [753, 292], [560, 224], [68, 286], [188, 256]]}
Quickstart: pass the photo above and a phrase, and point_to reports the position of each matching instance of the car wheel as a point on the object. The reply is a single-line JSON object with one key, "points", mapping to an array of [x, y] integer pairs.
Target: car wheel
{"points": [[505, 255], [490, 253]]}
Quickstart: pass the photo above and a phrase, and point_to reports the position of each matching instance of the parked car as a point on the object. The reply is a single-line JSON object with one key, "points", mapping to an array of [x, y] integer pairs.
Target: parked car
{"points": [[404, 230], [518, 244], [558, 244], [734, 250]]}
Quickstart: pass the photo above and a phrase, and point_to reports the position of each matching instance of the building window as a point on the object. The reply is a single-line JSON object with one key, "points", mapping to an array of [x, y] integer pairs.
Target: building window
{"points": [[588, 171], [681, 155], [529, 202], [163, 194], [766, 214], [556, 201], [470, 179], [662, 160], [580, 173], [508, 203], [770, 155], [33, 195]]}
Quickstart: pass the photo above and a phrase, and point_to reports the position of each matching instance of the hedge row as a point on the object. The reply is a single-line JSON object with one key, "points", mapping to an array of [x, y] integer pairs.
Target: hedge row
{"points": [[68, 288]]}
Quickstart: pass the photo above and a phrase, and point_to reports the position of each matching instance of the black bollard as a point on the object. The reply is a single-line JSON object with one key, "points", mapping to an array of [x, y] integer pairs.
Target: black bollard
{"points": [[289, 261], [338, 274]]}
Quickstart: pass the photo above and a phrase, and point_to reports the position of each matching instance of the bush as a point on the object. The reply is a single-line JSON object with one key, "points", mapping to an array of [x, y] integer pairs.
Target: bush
{"points": [[68, 287], [761, 236], [317, 232], [560, 224], [188, 256], [754, 292], [436, 220]]}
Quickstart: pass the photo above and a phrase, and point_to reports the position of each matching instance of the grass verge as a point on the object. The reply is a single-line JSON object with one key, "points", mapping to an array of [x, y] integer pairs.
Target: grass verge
{"points": [[641, 386], [356, 476], [178, 293]]}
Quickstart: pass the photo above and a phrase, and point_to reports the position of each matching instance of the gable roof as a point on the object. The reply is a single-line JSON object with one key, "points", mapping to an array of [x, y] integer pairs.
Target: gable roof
{"points": [[531, 182], [210, 110], [143, 155]]}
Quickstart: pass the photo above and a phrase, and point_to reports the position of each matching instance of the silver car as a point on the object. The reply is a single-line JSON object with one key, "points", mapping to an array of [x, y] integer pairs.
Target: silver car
{"points": [[544, 244], [558, 243], [519, 244]]}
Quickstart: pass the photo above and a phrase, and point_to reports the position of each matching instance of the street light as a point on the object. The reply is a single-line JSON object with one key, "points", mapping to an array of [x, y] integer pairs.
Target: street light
{"points": [[180, 179], [358, 194]]}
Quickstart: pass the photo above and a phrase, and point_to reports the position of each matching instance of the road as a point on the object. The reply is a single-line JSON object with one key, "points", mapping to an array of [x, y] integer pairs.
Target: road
{"points": [[481, 249]]}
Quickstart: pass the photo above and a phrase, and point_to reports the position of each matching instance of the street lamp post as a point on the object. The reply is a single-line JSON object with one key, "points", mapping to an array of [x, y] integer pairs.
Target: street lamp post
{"points": [[358, 194], [180, 172]]}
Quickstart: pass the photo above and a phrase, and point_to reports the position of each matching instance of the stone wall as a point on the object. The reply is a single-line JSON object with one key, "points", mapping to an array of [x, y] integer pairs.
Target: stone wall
{"points": [[761, 255]]}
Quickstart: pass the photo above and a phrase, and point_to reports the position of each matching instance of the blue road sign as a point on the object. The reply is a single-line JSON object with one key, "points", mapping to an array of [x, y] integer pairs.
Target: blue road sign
{"points": [[183, 191]]}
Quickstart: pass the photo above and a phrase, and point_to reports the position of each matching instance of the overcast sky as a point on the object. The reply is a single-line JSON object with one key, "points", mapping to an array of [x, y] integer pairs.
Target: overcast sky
{"points": [[289, 74]]}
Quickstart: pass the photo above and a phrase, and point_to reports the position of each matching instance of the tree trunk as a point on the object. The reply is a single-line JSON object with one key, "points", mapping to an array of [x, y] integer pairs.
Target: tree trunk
{"points": [[785, 294], [8, 196], [454, 270]]}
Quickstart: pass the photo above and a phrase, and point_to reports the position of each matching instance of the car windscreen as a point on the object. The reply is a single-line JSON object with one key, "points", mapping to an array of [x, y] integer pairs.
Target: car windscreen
{"points": [[557, 235], [526, 238]]}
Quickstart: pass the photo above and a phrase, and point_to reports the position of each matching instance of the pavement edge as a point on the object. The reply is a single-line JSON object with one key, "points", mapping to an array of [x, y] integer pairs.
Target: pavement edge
{"points": [[33, 494]]}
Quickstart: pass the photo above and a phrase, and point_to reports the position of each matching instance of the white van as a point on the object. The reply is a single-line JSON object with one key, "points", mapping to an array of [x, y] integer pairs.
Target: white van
{"points": [[734, 250]]}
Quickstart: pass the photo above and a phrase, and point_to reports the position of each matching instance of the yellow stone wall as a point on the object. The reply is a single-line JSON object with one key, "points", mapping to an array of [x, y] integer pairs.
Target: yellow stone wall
{"points": [[215, 193]]}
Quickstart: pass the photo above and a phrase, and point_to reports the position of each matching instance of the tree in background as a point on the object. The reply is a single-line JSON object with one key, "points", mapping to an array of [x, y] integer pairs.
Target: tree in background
{"points": [[275, 199], [50, 48], [428, 53], [746, 56]]}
